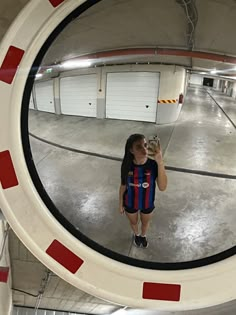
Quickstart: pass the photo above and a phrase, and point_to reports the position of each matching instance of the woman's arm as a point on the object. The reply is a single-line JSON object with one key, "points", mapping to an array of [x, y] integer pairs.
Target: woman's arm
{"points": [[161, 176], [121, 194]]}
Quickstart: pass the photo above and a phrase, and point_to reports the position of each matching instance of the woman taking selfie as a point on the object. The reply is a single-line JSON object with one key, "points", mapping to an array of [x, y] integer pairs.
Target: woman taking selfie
{"points": [[139, 175]]}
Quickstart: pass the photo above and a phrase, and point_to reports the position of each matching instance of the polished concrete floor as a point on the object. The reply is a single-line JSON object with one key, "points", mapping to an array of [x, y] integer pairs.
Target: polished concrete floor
{"points": [[194, 218]]}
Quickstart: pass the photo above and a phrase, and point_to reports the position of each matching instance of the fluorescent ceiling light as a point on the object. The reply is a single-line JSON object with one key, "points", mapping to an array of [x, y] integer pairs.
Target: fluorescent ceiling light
{"points": [[213, 71], [76, 64], [39, 75], [227, 70]]}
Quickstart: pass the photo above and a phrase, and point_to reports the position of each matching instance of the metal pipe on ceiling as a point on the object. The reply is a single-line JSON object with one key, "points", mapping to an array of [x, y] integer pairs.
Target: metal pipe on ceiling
{"points": [[192, 18], [159, 51], [6, 233]]}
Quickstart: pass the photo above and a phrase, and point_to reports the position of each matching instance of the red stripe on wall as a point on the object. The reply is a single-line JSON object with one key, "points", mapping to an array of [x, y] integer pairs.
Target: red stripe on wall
{"points": [[64, 256], [136, 188], [4, 272], [10, 64], [8, 177], [147, 194], [56, 3], [161, 291]]}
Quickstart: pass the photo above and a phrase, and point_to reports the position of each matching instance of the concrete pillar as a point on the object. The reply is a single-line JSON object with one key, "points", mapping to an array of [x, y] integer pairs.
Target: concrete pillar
{"points": [[5, 279], [187, 78], [101, 94], [222, 85], [234, 90], [229, 88], [172, 84], [57, 101], [34, 97], [216, 84]]}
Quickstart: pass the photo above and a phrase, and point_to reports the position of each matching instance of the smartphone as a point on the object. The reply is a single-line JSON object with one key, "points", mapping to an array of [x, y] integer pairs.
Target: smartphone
{"points": [[153, 146]]}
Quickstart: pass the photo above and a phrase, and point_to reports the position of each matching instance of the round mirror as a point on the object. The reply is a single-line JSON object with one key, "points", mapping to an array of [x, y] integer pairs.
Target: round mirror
{"points": [[134, 67], [102, 73]]}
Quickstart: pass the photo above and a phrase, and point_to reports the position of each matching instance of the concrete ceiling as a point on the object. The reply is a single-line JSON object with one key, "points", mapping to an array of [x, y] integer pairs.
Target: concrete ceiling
{"points": [[112, 25], [119, 24]]}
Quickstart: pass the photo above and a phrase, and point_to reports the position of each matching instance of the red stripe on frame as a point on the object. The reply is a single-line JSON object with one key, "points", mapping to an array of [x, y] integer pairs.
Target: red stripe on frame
{"points": [[8, 177], [4, 272], [56, 3], [10, 64], [161, 291], [64, 256]]}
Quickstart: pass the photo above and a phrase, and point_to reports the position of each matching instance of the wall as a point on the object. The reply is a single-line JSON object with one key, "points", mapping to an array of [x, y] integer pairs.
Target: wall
{"points": [[218, 84], [172, 83], [29, 311], [196, 79], [5, 287]]}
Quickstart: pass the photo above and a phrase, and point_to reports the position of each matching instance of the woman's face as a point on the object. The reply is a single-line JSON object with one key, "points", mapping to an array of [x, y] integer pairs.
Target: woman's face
{"points": [[139, 149]]}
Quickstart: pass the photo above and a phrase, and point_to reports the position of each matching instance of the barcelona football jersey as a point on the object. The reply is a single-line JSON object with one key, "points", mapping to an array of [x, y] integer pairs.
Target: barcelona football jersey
{"points": [[141, 184]]}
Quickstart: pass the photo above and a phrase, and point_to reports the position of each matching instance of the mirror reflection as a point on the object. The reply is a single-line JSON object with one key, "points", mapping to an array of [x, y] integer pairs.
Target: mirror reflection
{"points": [[125, 68]]}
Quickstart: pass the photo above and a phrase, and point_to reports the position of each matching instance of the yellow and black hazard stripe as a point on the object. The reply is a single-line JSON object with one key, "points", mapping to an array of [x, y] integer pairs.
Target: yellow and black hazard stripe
{"points": [[167, 101]]}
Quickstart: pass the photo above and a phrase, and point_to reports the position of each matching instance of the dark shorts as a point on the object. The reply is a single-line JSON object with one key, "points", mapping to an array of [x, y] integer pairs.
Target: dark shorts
{"points": [[144, 211]]}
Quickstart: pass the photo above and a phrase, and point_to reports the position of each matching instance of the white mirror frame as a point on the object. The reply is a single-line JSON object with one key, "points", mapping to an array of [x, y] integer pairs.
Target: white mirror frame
{"points": [[43, 235]]}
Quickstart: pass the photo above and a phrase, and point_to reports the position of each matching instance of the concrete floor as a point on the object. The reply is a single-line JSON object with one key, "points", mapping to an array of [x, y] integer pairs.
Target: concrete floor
{"points": [[194, 217]]}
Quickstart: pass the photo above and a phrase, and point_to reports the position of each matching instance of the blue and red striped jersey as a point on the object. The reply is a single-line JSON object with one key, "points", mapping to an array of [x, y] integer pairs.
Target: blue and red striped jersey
{"points": [[140, 186]]}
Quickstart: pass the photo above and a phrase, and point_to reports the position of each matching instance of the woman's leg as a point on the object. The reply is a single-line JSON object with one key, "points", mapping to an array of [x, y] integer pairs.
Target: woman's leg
{"points": [[133, 220], [145, 220]]}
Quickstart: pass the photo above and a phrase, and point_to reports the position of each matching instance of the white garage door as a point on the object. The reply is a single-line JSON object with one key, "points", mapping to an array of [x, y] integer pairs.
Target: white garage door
{"points": [[31, 103], [79, 95], [44, 96], [132, 95]]}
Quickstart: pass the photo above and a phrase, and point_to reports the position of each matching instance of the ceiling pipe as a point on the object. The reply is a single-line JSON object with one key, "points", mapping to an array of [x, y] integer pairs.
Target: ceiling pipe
{"points": [[192, 18], [151, 52], [161, 52], [42, 289], [6, 233]]}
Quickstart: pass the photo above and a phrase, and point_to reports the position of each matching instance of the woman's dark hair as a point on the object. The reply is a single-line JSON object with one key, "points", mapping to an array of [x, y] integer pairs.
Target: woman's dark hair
{"points": [[128, 157]]}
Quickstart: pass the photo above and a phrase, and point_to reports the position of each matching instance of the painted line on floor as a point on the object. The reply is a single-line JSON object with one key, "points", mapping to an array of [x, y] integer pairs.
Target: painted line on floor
{"points": [[169, 168], [198, 172], [222, 110], [76, 150]]}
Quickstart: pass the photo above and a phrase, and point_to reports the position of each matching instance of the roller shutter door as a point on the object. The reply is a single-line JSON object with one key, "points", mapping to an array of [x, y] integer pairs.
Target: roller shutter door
{"points": [[79, 95], [44, 96], [132, 95]]}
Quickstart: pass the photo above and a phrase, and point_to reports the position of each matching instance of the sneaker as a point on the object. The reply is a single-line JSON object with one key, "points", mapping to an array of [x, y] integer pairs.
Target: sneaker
{"points": [[137, 240], [144, 241]]}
